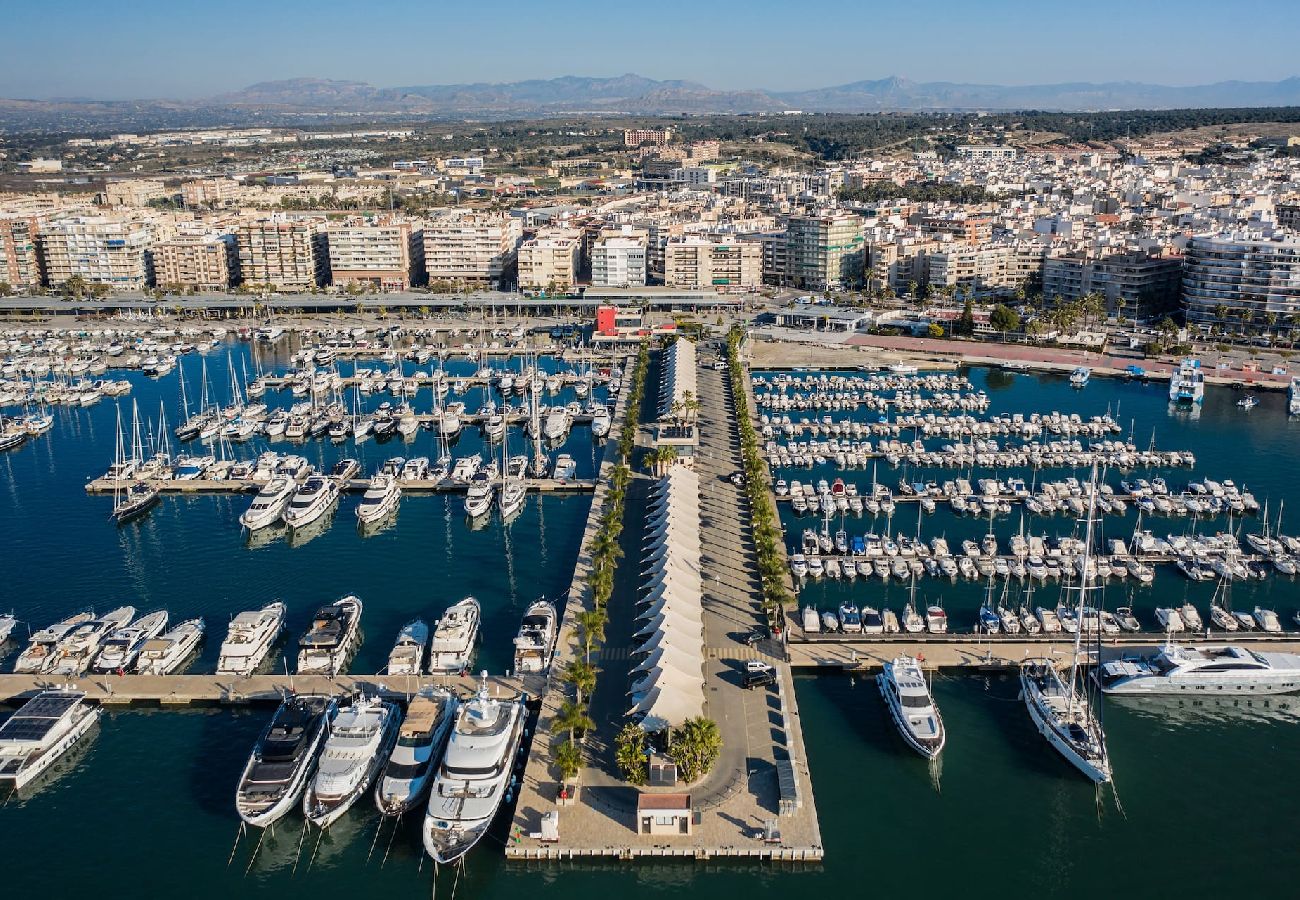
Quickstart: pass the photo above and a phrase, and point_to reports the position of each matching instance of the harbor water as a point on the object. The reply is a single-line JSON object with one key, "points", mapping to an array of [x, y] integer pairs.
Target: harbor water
{"points": [[1202, 807]]}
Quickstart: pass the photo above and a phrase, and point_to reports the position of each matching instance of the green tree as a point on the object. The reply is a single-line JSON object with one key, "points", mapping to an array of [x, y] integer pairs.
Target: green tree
{"points": [[966, 323], [696, 746], [570, 719], [1004, 318], [582, 675], [6, 289], [75, 287], [934, 330], [630, 754], [568, 760], [591, 623]]}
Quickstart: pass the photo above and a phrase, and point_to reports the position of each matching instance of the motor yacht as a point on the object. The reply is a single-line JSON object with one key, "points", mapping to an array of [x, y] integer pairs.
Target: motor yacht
{"points": [[535, 642], [454, 637], [249, 639], [811, 621], [283, 759], [78, 648], [936, 620], [1177, 669], [421, 738], [334, 634], [269, 505], [474, 775], [600, 422], [41, 731], [565, 468], [358, 743], [39, 655], [1187, 384], [167, 653], [906, 693], [313, 499], [381, 498], [479, 497], [120, 649], [1080, 377], [407, 655]]}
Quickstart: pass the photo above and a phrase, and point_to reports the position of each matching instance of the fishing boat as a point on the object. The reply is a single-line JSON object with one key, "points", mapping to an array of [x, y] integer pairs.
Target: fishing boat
{"points": [[334, 633], [249, 639], [454, 637], [1178, 669], [358, 743], [380, 500], [121, 648], [269, 504], [166, 654], [315, 497], [407, 655], [42, 730], [915, 714], [39, 655], [474, 775], [77, 650], [283, 759], [535, 642], [407, 775]]}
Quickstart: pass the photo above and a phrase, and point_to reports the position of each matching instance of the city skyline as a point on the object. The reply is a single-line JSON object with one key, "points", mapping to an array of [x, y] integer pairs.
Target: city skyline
{"points": [[729, 47]]}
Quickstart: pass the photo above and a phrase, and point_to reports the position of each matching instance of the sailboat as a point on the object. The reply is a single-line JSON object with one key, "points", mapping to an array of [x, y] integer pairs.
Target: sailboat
{"points": [[1059, 710], [513, 490], [138, 497]]}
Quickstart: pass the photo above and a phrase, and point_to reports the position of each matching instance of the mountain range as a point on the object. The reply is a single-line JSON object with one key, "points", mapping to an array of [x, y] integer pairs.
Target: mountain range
{"points": [[312, 98]]}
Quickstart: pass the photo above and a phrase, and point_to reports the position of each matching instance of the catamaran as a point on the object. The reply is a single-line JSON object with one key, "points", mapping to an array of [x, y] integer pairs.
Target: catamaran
{"points": [[1187, 384], [45, 728]]}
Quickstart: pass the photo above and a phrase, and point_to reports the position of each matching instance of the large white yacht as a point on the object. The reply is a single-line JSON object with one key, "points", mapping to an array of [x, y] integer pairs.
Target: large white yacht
{"points": [[1178, 669], [333, 635], [360, 739], [39, 654], [249, 639], [479, 497], [535, 642], [78, 649], [474, 774], [1293, 396], [454, 637], [906, 693], [409, 771], [315, 497], [283, 758], [1187, 384], [269, 505], [380, 499], [407, 655], [167, 654], [39, 733], [120, 649]]}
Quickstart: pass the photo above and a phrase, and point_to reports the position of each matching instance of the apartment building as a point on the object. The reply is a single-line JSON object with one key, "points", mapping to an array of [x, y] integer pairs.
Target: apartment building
{"points": [[987, 152], [981, 271], [973, 230], [286, 254], [824, 252], [550, 261], [135, 192], [698, 263], [212, 192], [100, 250], [474, 249], [618, 262], [1288, 215], [198, 262], [1236, 280], [1137, 286], [636, 137], [377, 253], [20, 266]]}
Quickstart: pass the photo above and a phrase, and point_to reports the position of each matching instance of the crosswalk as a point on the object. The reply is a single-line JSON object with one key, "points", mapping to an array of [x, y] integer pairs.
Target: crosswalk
{"points": [[740, 654]]}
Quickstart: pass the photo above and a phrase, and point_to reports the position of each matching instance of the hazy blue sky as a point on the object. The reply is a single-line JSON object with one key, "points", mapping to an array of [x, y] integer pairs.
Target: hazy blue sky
{"points": [[184, 48]]}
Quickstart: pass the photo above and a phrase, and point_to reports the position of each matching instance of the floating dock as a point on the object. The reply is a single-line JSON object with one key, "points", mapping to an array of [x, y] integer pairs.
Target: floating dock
{"points": [[353, 486]]}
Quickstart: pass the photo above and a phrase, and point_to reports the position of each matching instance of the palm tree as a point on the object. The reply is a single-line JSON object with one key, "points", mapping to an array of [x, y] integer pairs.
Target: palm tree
{"points": [[592, 624], [582, 675], [571, 719], [568, 760]]}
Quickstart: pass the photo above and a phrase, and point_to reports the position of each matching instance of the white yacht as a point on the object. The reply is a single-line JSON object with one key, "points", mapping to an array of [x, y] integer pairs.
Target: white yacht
{"points": [[903, 685], [40, 732], [454, 637], [474, 774], [600, 422], [39, 654], [1293, 396], [269, 504], [556, 425], [1187, 384], [1080, 377], [75, 653], [535, 642], [479, 497], [565, 469], [380, 499], [1178, 669], [359, 741], [334, 633], [316, 496], [167, 654], [120, 649], [407, 655], [283, 758], [7, 625], [420, 741], [249, 639]]}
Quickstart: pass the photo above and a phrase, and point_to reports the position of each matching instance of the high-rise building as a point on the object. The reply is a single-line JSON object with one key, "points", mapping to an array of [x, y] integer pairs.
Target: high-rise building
{"points": [[1288, 215], [286, 254], [990, 269], [199, 262], [550, 261], [824, 251], [698, 263], [1241, 280], [618, 262], [20, 266], [373, 252], [208, 192], [473, 249], [635, 137], [99, 250], [1136, 286]]}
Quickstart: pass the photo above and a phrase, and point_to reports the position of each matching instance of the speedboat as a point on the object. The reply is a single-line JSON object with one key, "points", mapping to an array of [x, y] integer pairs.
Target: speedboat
{"points": [[75, 653], [249, 639], [454, 637], [1177, 669], [120, 649], [535, 642], [906, 693], [936, 620], [39, 654], [269, 504], [45, 728], [1080, 376], [407, 655], [565, 469], [381, 498], [1266, 620], [1063, 716], [420, 739], [479, 497], [283, 758], [166, 654], [313, 499], [334, 633], [474, 775], [359, 741]]}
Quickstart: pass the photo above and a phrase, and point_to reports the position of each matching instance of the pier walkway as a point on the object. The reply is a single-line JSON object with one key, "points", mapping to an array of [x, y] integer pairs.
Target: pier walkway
{"points": [[352, 486]]}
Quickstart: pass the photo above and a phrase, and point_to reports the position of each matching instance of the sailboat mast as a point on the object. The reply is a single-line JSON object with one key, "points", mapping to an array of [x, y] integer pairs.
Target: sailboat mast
{"points": [[1084, 579]]}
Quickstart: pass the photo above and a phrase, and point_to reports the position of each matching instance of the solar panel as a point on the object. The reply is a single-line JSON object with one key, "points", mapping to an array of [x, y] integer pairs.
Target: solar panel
{"points": [[22, 728], [47, 706]]}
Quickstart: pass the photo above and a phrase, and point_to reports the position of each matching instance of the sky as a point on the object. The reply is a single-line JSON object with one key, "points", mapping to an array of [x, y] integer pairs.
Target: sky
{"points": [[186, 49]]}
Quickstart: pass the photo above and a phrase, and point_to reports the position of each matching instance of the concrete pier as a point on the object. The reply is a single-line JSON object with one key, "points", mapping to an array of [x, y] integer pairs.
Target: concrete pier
{"points": [[353, 486]]}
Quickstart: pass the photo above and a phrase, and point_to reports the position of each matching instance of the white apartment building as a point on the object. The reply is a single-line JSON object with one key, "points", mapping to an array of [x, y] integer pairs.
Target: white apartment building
{"points": [[136, 192], [209, 192], [475, 249], [984, 270], [199, 262], [987, 152], [618, 262], [550, 261], [824, 252], [287, 254], [100, 250], [699, 263], [374, 253]]}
